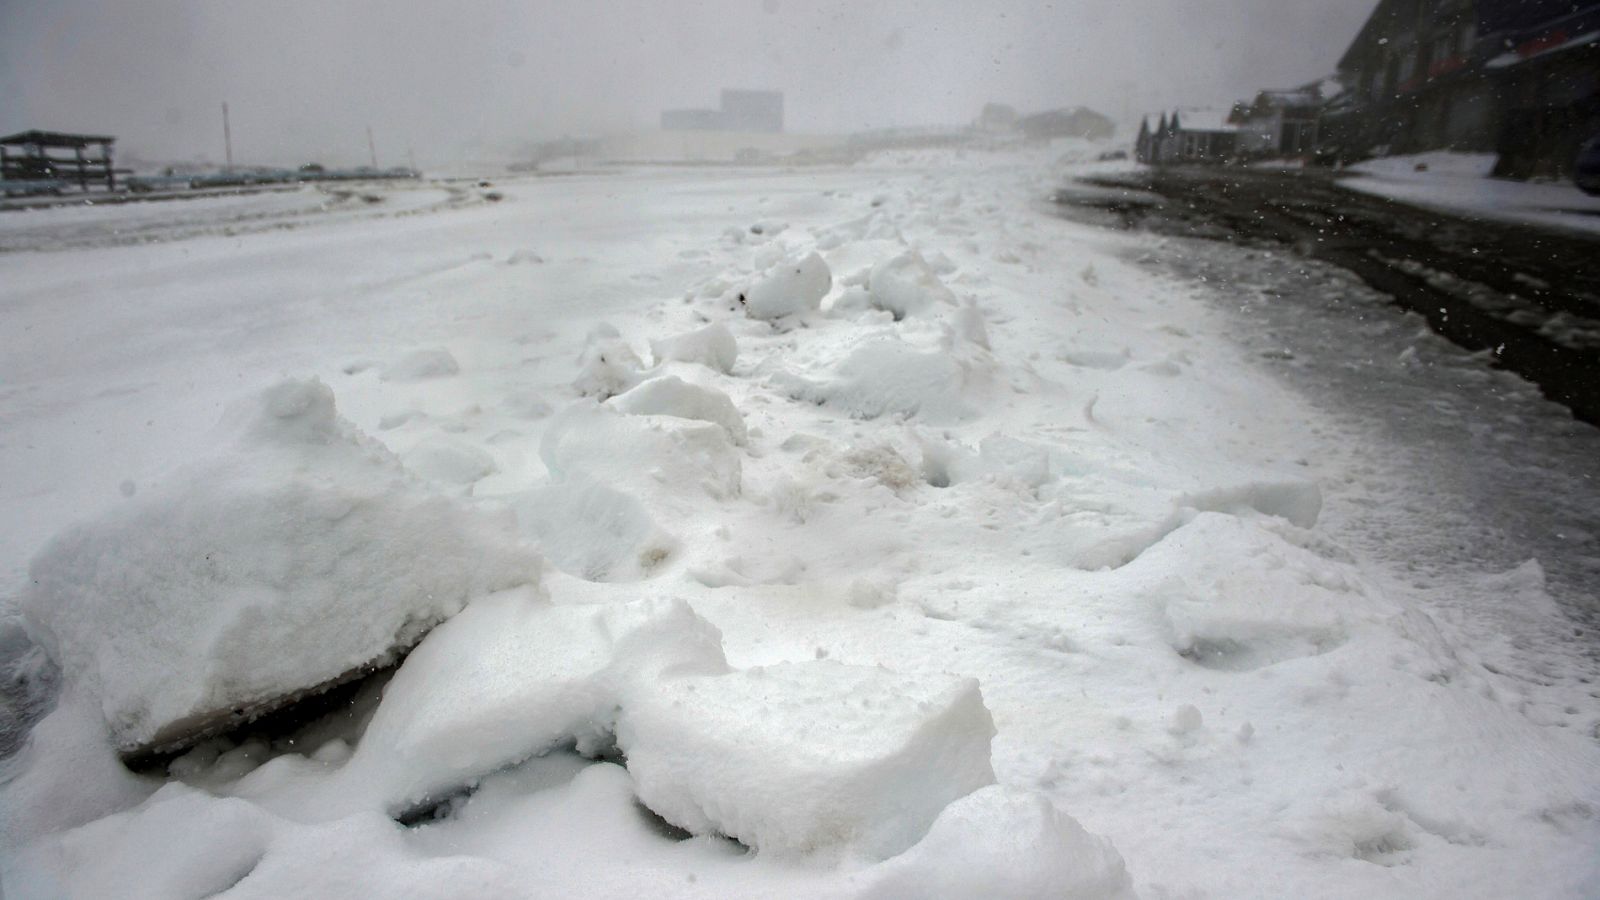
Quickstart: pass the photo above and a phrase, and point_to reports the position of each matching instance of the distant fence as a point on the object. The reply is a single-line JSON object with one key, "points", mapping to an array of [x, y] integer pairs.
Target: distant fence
{"points": [[254, 177]]}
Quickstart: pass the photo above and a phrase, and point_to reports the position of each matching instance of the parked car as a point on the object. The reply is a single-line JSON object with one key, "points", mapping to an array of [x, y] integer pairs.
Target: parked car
{"points": [[1586, 171]]}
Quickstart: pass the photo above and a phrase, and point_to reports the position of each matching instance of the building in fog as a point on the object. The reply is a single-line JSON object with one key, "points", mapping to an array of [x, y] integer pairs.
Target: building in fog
{"points": [[742, 111], [1520, 78], [1279, 123], [1188, 136], [1077, 121]]}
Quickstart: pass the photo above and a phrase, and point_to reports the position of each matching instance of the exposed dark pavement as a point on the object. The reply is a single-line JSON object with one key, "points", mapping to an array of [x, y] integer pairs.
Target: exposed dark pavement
{"points": [[1530, 296]]}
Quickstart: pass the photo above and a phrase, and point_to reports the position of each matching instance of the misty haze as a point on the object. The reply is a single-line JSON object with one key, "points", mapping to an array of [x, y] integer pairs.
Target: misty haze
{"points": [[1103, 449]]}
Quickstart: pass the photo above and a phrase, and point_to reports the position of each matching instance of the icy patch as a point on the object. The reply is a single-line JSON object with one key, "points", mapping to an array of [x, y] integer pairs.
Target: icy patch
{"points": [[422, 365], [299, 556], [712, 346], [799, 756], [791, 287], [672, 396]]}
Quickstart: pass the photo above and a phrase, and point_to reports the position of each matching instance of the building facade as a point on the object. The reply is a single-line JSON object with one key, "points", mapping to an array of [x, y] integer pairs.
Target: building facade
{"points": [[1520, 78], [743, 111]]}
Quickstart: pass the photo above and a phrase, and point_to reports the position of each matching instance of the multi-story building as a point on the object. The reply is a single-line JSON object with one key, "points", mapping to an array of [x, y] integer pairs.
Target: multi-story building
{"points": [[1516, 77]]}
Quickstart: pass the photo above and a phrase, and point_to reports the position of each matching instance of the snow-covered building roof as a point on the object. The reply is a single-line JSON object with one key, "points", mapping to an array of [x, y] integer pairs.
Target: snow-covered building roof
{"points": [[1205, 119]]}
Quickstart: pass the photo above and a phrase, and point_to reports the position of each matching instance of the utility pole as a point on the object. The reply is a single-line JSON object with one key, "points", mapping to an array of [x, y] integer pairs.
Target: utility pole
{"points": [[372, 148], [227, 137]]}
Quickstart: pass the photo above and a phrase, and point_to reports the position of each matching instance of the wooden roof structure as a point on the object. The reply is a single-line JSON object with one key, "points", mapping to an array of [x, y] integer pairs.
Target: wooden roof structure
{"points": [[54, 139]]}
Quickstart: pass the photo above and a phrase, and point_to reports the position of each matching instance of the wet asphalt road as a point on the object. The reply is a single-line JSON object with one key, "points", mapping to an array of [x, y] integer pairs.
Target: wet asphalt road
{"points": [[1529, 296], [1446, 463]]}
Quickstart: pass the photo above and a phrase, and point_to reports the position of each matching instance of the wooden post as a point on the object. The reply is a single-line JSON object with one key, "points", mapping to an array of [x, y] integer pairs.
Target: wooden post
{"points": [[83, 176], [227, 138], [372, 148], [111, 173]]}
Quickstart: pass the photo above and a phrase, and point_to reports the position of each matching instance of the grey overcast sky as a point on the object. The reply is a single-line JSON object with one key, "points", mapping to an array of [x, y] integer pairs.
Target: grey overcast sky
{"points": [[481, 78]]}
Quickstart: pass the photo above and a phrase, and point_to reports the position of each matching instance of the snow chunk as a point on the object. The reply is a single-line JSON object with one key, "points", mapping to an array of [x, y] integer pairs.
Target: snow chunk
{"points": [[888, 376], [791, 287], [672, 396], [1007, 844], [905, 285], [422, 365], [593, 532], [642, 454], [537, 676], [799, 756], [712, 346], [607, 366], [299, 557]]}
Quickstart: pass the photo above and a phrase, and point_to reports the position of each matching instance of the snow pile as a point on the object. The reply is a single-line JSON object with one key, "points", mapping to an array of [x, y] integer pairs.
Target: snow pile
{"points": [[422, 365], [905, 286], [791, 287], [888, 376], [669, 395], [641, 454], [712, 346], [300, 556], [607, 366], [593, 532], [785, 557], [1006, 844]]}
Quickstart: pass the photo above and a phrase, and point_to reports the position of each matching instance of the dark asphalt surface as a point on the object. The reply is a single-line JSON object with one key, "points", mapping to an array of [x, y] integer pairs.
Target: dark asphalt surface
{"points": [[1437, 459], [1530, 296]]}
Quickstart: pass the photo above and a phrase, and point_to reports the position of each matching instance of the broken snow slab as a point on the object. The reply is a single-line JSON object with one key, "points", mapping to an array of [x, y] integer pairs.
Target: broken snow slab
{"points": [[510, 678], [797, 757], [301, 557]]}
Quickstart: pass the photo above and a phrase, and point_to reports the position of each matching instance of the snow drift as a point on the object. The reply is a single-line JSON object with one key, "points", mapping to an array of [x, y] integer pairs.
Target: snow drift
{"points": [[301, 555]]}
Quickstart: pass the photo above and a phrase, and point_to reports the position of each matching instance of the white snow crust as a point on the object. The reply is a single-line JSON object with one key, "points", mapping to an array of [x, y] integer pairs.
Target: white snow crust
{"points": [[966, 557]]}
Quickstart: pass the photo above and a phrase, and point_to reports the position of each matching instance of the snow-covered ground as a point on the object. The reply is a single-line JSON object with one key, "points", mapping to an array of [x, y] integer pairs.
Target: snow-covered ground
{"points": [[1460, 183], [831, 532]]}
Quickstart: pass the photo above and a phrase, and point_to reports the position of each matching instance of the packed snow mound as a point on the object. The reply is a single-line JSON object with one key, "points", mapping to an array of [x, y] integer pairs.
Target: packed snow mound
{"points": [[905, 285], [641, 455], [607, 366], [670, 395], [512, 677], [593, 532], [422, 365], [712, 346], [1291, 603], [999, 456], [799, 756], [1006, 844], [791, 287], [227, 837], [301, 555], [886, 376], [450, 462]]}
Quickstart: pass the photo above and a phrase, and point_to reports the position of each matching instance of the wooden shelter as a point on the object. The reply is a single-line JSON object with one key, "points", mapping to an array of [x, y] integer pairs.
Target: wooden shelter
{"points": [[51, 156]]}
